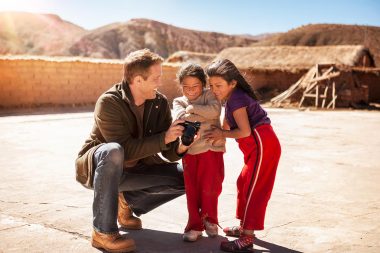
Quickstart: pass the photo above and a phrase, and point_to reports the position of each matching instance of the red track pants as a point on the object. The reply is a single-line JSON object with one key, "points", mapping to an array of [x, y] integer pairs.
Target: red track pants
{"points": [[203, 174], [262, 152]]}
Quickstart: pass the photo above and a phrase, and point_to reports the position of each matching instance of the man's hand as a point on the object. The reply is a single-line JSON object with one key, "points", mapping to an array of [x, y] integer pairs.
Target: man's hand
{"points": [[174, 131]]}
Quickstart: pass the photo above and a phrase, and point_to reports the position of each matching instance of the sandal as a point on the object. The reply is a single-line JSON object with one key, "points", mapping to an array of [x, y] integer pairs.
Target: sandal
{"points": [[233, 231], [233, 246]]}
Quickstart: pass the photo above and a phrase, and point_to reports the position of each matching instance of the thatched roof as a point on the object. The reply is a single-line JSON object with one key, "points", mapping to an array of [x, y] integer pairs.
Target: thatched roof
{"points": [[187, 56], [295, 56]]}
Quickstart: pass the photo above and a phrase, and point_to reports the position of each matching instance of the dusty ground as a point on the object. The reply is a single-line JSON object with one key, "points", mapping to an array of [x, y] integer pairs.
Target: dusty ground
{"points": [[326, 197]]}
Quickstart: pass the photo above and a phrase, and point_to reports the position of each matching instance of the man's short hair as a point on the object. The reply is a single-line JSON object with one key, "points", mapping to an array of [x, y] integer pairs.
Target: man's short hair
{"points": [[138, 63]]}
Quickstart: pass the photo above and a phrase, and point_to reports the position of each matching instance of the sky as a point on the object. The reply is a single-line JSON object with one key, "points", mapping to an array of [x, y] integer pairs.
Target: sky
{"points": [[227, 16]]}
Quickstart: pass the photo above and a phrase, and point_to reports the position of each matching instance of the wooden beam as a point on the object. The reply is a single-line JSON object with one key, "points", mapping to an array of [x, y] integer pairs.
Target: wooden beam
{"points": [[329, 76], [332, 103], [325, 95], [316, 96]]}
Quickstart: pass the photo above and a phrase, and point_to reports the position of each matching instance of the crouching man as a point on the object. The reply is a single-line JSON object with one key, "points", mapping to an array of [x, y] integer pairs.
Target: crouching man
{"points": [[120, 159]]}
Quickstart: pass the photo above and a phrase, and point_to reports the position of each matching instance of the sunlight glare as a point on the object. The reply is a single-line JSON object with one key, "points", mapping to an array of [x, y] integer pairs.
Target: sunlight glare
{"points": [[24, 5]]}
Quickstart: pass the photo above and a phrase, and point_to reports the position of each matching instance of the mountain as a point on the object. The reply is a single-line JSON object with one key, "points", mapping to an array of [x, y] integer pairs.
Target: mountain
{"points": [[329, 34], [259, 37], [36, 34], [48, 34], [118, 39]]}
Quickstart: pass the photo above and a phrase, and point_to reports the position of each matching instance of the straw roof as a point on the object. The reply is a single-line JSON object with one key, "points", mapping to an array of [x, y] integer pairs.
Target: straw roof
{"points": [[187, 56], [294, 56]]}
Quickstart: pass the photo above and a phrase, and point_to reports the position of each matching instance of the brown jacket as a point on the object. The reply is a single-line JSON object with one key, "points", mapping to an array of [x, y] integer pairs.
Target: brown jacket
{"points": [[115, 118]]}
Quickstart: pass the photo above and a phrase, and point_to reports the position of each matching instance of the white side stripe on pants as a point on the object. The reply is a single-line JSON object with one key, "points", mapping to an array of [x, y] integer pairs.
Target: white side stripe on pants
{"points": [[257, 175]]}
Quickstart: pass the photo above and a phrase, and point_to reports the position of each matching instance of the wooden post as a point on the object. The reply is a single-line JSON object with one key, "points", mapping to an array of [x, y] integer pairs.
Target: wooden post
{"points": [[316, 95], [317, 88], [332, 103], [333, 94], [325, 95]]}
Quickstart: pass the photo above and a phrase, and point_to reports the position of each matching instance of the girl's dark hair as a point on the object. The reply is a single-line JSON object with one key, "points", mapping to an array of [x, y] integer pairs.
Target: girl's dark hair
{"points": [[194, 70], [225, 69]]}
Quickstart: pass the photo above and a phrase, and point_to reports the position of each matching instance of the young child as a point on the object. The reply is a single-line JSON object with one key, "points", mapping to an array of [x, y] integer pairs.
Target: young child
{"points": [[203, 164], [247, 122]]}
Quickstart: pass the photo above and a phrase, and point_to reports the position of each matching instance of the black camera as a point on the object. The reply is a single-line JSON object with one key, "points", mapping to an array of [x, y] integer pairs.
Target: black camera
{"points": [[191, 129]]}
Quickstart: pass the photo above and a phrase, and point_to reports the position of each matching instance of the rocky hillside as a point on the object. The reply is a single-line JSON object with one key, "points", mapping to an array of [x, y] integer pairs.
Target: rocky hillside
{"points": [[48, 34], [329, 34], [117, 40], [36, 34]]}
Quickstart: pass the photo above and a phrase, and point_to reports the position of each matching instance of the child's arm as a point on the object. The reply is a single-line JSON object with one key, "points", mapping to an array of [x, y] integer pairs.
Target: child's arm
{"points": [[179, 108], [243, 130], [211, 110], [242, 121], [179, 111], [194, 117]]}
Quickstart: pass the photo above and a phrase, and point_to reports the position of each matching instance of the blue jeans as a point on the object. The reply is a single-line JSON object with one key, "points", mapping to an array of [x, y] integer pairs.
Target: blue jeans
{"points": [[144, 187]]}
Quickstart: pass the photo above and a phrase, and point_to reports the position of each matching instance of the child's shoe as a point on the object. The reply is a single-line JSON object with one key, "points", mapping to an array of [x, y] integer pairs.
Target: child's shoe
{"points": [[242, 245], [233, 231], [192, 235], [211, 228]]}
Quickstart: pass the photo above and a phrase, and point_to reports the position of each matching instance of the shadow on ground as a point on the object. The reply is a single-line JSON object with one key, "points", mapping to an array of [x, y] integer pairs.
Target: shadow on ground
{"points": [[271, 247], [154, 241]]}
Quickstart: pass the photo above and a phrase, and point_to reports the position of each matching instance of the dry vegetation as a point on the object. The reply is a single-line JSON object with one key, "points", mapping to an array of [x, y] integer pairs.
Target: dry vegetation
{"points": [[186, 56], [296, 57]]}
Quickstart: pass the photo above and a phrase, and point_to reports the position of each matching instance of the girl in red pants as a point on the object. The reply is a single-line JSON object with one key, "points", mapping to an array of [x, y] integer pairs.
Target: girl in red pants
{"points": [[203, 164], [247, 122]]}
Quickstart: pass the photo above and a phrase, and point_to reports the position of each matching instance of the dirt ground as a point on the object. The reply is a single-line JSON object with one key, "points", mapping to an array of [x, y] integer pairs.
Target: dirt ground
{"points": [[326, 196]]}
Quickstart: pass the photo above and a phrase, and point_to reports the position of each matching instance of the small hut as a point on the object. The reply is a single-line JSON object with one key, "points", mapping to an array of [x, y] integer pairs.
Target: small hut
{"points": [[272, 70]]}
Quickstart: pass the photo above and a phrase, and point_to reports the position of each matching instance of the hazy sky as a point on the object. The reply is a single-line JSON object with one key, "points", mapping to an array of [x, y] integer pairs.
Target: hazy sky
{"points": [[227, 16]]}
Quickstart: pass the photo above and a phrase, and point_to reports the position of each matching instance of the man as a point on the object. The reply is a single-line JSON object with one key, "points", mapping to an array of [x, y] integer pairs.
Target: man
{"points": [[120, 160]]}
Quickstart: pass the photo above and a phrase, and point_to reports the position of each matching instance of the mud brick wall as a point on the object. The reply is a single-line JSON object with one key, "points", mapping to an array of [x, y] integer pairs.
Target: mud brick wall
{"points": [[370, 78], [28, 82], [50, 81]]}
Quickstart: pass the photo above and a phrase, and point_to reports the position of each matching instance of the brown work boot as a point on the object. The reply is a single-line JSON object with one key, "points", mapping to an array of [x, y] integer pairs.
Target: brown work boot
{"points": [[112, 242], [125, 215]]}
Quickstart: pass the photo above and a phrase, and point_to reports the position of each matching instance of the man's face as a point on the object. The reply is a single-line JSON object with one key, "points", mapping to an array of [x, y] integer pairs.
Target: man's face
{"points": [[149, 86]]}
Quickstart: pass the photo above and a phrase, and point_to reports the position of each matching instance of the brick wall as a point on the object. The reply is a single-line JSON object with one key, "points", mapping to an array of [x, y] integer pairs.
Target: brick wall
{"points": [[55, 81]]}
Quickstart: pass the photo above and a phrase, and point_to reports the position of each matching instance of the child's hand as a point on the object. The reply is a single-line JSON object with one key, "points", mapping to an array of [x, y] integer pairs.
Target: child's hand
{"points": [[189, 109], [219, 142], [214, 134]]}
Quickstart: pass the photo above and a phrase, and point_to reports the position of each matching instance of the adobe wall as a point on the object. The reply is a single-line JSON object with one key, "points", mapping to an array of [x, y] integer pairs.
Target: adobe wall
{"points": [[371, 78], [268, 83], [66, 81], [53, 81]]}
